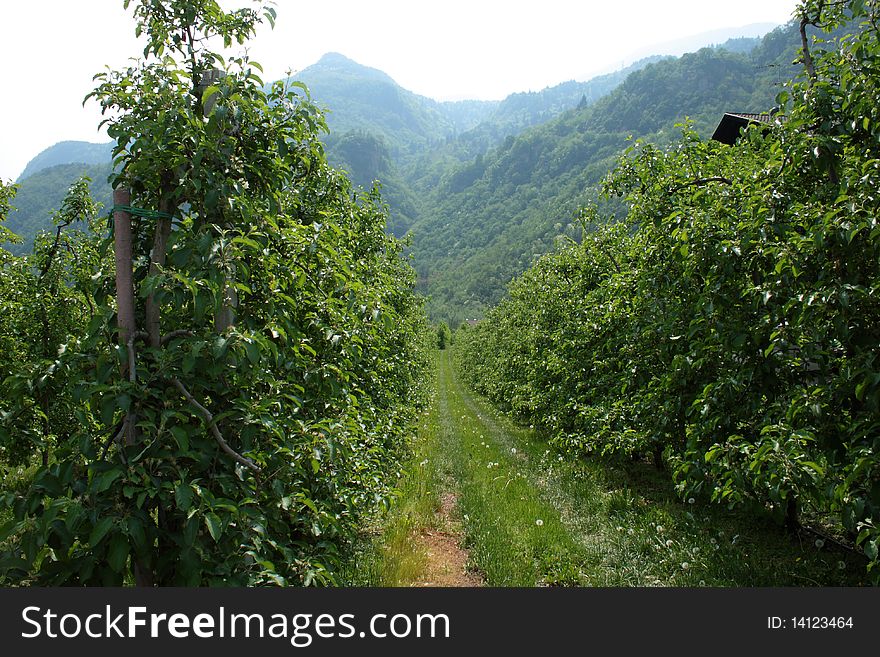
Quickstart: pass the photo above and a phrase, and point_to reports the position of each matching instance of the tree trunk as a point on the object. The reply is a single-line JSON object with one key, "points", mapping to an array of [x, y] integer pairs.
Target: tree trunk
{"points": [[125, 319], [127, 328]]}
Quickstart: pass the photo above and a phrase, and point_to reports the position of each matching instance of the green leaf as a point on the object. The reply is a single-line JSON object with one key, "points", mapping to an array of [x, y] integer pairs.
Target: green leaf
{"points": [[117, 555], [104, 480], [100, 530], [137, 534], [247, 241], [209, 93], [215, 526], [252, 350], [181, 436], [183, 497], [814, 466], [190, 531]]}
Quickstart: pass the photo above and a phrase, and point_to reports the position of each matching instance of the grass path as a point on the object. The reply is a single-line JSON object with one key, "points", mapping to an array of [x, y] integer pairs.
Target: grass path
{"points": [[519, 514]]}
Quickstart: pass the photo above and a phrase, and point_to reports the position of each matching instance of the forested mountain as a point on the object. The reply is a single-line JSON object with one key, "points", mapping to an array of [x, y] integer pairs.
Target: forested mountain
{"points": [[41, 193], [490, 218], [484, 186], [509, 118], [364, 99], [381, 131], [68, 152], [360, 98], [378, 131]]}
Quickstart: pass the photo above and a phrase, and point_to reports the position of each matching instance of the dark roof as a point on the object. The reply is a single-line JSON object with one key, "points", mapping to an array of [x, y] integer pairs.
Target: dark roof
{"points": [[732, 124]]}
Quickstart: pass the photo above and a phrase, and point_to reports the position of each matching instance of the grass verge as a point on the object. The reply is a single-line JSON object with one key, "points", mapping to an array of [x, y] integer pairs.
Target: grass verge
{"points": [[634, 531]]}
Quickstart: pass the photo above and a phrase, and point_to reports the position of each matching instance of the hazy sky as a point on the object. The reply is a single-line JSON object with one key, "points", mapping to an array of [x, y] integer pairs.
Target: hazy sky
{"points": [[445, 49]]}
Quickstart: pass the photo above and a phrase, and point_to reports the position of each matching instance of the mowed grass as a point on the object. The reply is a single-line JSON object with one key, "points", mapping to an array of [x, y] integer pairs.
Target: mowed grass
{"points": [[515, 535], [534, 517]]}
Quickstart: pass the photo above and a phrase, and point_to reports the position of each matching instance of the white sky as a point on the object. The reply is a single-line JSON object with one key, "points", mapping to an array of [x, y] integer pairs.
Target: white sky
{"points": [[449, 49]]}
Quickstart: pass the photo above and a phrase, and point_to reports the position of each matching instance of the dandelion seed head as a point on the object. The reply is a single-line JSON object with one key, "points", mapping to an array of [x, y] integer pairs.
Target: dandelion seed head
{"points": [[539, 522]]}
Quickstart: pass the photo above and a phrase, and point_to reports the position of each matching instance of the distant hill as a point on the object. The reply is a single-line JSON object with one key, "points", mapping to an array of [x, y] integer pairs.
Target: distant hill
{"points": [[510, 117], [365, 99], [68, 152], [40, 194], [381, 131]]}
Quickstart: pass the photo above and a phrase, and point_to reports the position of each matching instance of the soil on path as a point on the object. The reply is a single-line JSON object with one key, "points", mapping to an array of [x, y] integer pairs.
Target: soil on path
{"points": [[447, 560]]}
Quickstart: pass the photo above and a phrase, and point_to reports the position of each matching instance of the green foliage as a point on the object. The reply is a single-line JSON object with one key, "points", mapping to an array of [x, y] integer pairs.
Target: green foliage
{"points": [[45, 298], [7, 193], [730, 328], [245, 441], [444, 336]]}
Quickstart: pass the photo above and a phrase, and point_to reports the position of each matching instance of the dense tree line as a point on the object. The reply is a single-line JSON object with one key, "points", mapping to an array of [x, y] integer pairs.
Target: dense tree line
{"points": [[728, 327], [231, 412]]}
